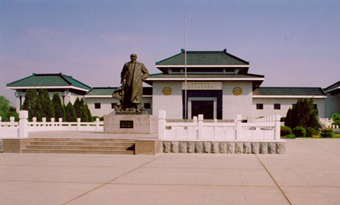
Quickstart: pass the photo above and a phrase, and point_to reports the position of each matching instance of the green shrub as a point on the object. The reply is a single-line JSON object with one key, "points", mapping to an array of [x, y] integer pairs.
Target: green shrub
{"points": [[336, 119], [299, 131], [290, 136], [327, 132], [285, 131], [310, 132]]}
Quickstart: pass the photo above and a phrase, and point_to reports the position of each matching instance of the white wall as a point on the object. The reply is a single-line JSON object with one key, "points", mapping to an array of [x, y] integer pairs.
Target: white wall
{"points": [[105, 106], [332, 105], [268, 106], [172, 104], [233, 105]]}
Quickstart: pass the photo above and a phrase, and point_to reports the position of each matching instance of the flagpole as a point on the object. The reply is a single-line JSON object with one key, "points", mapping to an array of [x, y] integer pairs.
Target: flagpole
{"points": [[185, 70]]}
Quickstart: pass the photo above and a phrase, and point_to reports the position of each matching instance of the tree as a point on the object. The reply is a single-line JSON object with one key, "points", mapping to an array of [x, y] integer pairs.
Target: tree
{"points": [[303, 114], [82, 110], [59, 111], [336, 119], [46, 104], [289, 118], [30, 103], [7, 111], [70, 113], [89, 115]]}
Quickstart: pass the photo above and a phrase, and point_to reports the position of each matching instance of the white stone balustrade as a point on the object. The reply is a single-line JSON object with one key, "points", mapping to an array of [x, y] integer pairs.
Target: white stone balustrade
{"points": [[265, 129]]}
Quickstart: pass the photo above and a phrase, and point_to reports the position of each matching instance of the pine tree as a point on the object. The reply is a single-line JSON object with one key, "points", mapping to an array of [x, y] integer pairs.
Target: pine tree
{"points": [[313, 120], [289, 118], [70, 113], [303, 114], [30, 102], [46, 104], [59, 111], [89, 115], [78, 107]]}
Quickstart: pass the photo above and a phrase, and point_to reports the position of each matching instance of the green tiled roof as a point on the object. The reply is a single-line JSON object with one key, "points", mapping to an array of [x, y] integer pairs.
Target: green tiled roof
{"points": [[203, 58], [42, 80], [161, 75], [102, 91], [289, 91]]}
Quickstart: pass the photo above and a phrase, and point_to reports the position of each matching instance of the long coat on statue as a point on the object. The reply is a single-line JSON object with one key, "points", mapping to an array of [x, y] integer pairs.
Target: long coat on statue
{"points": [[132, 77]]}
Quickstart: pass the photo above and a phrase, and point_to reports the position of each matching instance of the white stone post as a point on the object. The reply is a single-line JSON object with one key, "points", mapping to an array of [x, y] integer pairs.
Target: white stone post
{"points": [[97, 124], [277, 133], [23, 124], [78, 124], [44, 121], [53, 122], [200, 127], [238, 127], [12, 119], [60, 121], [0, 118], [161, 124]]}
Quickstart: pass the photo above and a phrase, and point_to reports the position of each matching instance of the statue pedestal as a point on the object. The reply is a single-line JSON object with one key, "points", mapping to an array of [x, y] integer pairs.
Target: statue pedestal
{"points": [[130, 124]]}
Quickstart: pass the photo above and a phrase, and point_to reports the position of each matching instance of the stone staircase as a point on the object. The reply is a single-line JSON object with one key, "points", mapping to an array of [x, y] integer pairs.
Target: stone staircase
{"points": [[80, 146]]}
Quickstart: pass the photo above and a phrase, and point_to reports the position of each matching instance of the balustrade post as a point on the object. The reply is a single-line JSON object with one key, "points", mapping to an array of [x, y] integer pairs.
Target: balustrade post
{"points": [[52, 122], [161, 124], [60, 121], [44, 121], [200, 127], [23, 124], [277, 133], [78, 124], [238, 127], [97, 124]]}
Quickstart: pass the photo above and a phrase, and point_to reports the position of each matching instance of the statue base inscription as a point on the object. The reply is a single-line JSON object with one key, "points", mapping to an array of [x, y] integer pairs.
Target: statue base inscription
{"points": [[130, 124]]}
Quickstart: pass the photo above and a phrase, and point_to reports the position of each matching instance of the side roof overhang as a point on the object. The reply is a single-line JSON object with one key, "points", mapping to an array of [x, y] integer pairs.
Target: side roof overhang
{"points": [[333, 88], [289, 92]]}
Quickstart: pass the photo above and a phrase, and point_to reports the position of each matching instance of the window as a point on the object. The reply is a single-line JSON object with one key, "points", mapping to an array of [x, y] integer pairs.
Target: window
{"points": [[147, 105], [97, 106], [277, 106], [113, 105], [259, 106], [315, 106]]}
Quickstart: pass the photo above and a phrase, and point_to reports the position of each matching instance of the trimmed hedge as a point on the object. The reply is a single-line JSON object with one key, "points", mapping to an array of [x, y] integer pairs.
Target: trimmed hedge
{"points": [[299, 131], [327, 132], [310, 132], [285, 131]]}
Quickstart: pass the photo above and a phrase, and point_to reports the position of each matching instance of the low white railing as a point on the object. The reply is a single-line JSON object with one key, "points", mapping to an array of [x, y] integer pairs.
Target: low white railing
{"points": [[8, 129], [20, 129], [265, 129], [35, 126]]}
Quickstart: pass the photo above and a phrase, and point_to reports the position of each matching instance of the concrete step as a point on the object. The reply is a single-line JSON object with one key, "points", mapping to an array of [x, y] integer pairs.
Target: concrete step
{"points": [[121, 144], [83, 140], [72, 151], [80, 145]]}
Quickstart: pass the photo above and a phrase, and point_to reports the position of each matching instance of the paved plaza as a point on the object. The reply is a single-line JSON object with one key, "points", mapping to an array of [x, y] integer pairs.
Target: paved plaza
{"points": [[309, 173]]}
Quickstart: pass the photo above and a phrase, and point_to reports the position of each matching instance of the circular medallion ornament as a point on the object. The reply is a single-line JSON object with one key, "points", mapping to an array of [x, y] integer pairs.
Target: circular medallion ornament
{"points": [[167, 91], [237, 91]]}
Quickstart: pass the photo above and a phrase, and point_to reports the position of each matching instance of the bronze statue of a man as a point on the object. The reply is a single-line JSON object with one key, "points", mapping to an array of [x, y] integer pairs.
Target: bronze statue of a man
{"points": [[132, 77]]}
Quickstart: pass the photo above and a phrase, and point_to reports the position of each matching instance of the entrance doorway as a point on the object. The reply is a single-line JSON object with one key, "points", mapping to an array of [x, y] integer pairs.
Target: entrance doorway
{"points": [[202, 107]]}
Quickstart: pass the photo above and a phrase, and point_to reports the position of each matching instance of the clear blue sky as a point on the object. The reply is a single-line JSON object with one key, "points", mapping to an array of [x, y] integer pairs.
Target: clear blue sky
{"points": [[292, 43]]}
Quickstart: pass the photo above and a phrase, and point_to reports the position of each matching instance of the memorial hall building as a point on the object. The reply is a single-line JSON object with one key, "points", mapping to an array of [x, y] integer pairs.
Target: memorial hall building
{"points": [[216, 84]]}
